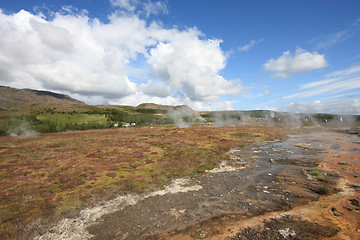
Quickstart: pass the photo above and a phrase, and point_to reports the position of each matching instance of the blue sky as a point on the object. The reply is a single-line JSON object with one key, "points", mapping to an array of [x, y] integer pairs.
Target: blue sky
{"points": [[301, 56]]}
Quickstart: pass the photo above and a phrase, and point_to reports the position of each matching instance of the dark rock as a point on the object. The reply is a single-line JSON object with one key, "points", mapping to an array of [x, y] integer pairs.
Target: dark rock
{"points": [[336, 212], [335, 146]]}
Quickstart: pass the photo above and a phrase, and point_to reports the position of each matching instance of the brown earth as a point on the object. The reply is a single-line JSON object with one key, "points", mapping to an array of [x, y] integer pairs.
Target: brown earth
{"points": [[305, 187], [313, 213]]}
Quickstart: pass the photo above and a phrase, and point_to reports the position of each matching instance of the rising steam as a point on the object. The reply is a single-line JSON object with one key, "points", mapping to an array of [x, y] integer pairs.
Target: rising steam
{"points": [[184, 116], [288, 119], [24, 130]]}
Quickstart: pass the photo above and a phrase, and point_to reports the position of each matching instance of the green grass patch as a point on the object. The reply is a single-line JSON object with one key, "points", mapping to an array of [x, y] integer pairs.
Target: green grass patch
{"points": [[59, 122], [319, 176], [76, 118], [313, 172]]}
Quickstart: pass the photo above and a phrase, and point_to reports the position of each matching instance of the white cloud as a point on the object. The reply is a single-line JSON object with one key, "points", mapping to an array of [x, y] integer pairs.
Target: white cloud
{"points": [[139, 97], [332, 88], [318, 83], [337, 106], [191, 64], [146, 7], [212, 106], [271, 108], [250, 45], [128, 5], [156, 89], [155, 8], [301, 61], [94, 61], [352, 95], [333, 39], [353, 70], [342, 81], [329, 40], [54, 37], [266, 92]]}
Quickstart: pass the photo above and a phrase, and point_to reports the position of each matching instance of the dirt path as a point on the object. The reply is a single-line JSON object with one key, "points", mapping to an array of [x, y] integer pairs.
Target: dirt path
{"points": [[272, 191]]}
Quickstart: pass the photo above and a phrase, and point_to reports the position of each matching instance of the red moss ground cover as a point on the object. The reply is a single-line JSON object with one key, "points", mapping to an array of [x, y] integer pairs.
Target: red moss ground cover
{"points": [[50, 175]]}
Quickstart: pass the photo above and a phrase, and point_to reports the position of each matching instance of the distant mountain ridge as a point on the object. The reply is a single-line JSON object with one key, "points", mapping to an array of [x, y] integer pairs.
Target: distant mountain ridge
{"points": [[13, 97]]}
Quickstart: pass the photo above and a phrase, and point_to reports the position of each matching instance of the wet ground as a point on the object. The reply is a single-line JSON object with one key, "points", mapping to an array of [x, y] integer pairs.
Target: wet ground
{"points": [[306, 187]]}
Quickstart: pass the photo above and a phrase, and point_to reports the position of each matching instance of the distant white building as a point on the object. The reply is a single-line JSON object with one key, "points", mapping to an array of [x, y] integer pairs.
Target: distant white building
{"points": [[128, 124]]}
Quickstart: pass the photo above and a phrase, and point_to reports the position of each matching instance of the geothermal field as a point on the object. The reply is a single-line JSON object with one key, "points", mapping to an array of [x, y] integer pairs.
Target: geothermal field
{"points": [[179, 120], [255, 179]]}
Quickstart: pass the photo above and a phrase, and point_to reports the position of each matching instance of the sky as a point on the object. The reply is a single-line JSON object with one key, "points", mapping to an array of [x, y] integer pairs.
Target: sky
{"points": [[298, 56]]}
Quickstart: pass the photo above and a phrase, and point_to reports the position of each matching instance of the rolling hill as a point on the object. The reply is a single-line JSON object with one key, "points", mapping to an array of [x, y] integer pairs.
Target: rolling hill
{"points": [[44, 111], [21, 98]]}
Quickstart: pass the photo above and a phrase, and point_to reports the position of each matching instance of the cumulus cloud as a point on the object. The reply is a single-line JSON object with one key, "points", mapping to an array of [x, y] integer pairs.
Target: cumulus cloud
{"points": [[158, 89], [301, 61], [97, 61], [191, 64], [212, 106], [54, 37]]}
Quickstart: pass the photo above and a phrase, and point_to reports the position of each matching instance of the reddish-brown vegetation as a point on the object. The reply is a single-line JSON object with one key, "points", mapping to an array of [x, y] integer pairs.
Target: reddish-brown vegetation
{"points": [[111, 174], [51, 174]]}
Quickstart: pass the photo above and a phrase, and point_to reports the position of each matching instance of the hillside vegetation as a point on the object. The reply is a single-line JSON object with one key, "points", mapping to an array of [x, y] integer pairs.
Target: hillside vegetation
{"points": [[25, 112]]}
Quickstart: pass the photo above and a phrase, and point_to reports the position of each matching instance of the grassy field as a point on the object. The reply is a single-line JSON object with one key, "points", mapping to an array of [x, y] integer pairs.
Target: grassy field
{"points": [[77, 118], [50, 175], [62, 122], [52, 120]]}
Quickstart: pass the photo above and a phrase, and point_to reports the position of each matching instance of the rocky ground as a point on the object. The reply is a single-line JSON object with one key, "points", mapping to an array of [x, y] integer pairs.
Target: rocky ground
{"points": [[306, 187]]}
